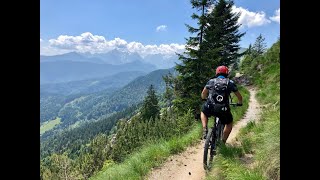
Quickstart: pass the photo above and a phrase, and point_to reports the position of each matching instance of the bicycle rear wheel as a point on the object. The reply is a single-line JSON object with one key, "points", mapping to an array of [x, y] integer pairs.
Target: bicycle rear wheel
{"points": [[208, 149]]}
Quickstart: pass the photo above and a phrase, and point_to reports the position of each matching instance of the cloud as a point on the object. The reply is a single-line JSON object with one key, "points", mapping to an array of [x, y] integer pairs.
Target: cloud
{"points": [[210, 8], [165, 49], [87, 42], [249, 18], [276, 17], [41, 40], [161, 28]]}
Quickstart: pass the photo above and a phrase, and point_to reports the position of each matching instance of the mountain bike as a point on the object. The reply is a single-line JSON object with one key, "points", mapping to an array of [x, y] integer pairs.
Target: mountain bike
{"points": [[214, 138]]}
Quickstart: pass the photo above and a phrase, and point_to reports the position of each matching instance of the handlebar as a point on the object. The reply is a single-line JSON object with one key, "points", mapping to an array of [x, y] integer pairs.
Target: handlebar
{"points": [[231, 104], [235, 104]]}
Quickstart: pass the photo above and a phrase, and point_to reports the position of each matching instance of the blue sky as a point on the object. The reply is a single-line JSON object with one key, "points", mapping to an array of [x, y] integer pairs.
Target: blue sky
{"points": [[140, 25]]}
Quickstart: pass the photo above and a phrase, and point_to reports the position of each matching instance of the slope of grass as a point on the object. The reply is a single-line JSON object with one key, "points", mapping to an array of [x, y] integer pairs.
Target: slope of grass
{"points": [[154, 153], [46, 126], [148, 156], [258, 155]]}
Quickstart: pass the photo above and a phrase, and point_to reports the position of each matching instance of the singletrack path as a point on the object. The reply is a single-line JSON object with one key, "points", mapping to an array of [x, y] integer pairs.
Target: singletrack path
{"points": [[188, 164]]}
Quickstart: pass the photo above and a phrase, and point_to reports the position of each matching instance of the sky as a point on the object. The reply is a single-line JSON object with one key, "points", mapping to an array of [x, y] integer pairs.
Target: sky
{"points": [[142, 26]]}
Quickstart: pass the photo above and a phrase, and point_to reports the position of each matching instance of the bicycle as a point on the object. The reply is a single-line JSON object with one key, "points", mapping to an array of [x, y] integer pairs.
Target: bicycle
{"points": [[214, 137]]}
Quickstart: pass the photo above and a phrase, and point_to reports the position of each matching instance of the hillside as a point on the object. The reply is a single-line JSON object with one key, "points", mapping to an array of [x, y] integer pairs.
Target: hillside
{"points": [[55, 95], [73, 139], [99, 105]]}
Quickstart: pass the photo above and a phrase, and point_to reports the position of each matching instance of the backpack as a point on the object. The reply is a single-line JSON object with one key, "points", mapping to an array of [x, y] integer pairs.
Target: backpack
{"points": [[218, 94]]}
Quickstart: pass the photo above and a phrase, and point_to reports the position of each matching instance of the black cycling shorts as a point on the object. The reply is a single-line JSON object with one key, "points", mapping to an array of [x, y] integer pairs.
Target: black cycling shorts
{"points": [[225, 118]]}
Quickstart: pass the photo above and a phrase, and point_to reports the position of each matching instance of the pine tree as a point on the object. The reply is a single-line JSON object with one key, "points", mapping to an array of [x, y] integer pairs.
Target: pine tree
{"points": [[64, 168], [259, 46], [219, 47], [169, 92], [222, 37], [249, 50], [85, 165], [150, 107], [191, 75]]}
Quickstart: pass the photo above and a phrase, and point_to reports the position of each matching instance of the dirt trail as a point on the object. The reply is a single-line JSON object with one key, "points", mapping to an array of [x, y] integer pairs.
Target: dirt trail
{"points": [[251, 114], [188, 164]]}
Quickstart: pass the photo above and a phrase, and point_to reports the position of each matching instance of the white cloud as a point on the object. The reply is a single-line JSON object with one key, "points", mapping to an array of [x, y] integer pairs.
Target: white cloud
{"points": [[249, 18], [210, 8], [276, 16], [87, 42], [165, 49], [41, 40], [161, 28], [83, 43]]}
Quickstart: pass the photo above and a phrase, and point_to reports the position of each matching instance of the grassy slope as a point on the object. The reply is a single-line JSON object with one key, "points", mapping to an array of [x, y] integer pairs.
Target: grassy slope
{"points": [[258, 156], [46, 126], [149, 156], [154, 153]]}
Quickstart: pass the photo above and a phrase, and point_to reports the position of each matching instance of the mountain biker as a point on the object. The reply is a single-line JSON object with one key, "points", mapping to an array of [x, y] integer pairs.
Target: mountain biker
{"points": [[212, 108]]}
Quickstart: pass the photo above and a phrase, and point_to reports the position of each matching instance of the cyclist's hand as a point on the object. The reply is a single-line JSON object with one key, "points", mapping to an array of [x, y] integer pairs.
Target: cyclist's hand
{"points": [[239, 104]]}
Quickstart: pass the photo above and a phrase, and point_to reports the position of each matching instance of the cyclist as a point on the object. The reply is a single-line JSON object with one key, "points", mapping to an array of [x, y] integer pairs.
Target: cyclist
{"points": [[217, 92]]}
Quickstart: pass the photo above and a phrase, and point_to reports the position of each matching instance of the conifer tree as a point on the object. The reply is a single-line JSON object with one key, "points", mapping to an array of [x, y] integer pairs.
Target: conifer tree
{"points": [[259, 46], [150, 107], [191, 75], [220, 46], [222, 36]]}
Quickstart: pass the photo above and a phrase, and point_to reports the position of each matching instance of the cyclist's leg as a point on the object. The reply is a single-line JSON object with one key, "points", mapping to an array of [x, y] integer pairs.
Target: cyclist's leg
{"points": [[205, 114], [204, 120], [226, 132], [227, 121]]}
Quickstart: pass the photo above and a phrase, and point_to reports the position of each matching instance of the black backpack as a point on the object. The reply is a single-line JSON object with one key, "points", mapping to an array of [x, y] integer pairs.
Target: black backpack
{"points": [[218, 94]]}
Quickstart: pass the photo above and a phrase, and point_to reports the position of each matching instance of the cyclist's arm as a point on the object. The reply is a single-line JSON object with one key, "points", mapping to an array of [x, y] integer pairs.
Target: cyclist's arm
{"points": [[239, 96], [204, 93]]}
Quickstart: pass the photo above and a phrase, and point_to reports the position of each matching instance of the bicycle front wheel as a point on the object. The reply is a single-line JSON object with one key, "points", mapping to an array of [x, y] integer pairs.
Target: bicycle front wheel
{"points": [[220, 132]]}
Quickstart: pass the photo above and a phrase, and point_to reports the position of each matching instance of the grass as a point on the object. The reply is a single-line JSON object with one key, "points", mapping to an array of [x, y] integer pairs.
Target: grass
{"points": [[238, 111], [148, 156], [262, 141], [46, 126], [138, 165]]}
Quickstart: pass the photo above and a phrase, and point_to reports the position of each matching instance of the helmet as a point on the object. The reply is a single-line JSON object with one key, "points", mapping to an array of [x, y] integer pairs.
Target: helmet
{"points": [[222, 70]]}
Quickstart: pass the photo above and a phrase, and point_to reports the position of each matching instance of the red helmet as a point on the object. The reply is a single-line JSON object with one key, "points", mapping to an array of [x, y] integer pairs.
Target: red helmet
{"points": [[222, 70]]}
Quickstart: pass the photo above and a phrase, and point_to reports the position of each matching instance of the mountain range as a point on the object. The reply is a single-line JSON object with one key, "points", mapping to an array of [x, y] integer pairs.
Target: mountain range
{"points": [[93, 85], [75, 66]]}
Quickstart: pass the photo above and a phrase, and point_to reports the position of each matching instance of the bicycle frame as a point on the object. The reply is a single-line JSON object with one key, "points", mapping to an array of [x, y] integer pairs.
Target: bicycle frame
{"points": [[217, 130], [214, 135]]}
